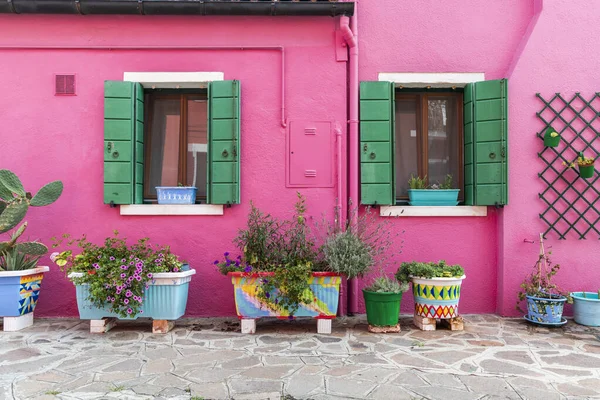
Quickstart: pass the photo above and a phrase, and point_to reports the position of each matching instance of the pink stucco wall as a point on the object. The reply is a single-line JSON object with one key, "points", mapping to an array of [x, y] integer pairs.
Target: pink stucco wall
{"points": [[46, 137]]}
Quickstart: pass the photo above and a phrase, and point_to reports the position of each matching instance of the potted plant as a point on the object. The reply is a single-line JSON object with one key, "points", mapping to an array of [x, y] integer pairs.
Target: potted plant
{"points": [[382, 303], [436, 289], [545, 300], [586, 308], [440, 194], [20, 276], [585, 164], [551, 137], [278, 273], [117, 280], [179, 194]]}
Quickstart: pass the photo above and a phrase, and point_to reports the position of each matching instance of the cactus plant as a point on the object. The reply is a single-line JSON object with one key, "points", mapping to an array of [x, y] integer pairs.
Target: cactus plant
{"points": [[14, 203]]}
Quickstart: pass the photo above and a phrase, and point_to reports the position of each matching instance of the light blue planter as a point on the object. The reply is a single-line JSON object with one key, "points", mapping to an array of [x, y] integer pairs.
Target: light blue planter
{"points": [[166, 298], [544, 310], [586, 310], [433, 197], [176, 194]]}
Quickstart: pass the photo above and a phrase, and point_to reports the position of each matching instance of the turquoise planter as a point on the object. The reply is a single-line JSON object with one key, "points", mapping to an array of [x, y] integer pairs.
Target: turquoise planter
{"points": [[433, 197], [586, 310], [166, 298]]}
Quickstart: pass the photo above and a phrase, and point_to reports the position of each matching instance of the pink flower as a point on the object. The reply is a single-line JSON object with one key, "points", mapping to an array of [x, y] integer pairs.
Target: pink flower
{"points": [[129, 311], [126, 301]]}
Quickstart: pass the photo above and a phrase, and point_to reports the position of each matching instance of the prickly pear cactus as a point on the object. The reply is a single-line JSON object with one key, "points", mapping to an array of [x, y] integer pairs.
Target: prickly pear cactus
{"points": [[14, 203]]}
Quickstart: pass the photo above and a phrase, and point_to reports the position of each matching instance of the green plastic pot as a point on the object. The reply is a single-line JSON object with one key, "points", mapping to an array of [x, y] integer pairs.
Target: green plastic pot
{"points": [[550, 141], [383, 309], [587, 171]]}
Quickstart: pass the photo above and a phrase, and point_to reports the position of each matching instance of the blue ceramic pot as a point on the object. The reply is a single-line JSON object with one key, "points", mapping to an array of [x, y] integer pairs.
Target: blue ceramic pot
{"points": [[433, 197], [545, 310], [586, 310]]}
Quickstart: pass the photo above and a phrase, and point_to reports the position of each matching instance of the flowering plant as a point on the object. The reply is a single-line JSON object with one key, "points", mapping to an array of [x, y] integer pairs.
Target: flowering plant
{"points": [[581, 161], [117, 274]]}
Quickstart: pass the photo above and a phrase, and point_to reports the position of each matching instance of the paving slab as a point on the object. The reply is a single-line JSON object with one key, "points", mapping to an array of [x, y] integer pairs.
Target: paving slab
{"points": [[494, 358]]}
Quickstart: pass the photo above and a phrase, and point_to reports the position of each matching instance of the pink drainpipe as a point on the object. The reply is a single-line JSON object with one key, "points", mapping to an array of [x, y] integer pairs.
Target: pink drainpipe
{"points": [[348, 27]]}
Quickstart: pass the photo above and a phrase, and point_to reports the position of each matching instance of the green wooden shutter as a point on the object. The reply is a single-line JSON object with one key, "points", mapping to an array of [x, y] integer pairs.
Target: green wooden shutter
{"points": [[486, 149], [223, 181], [123, 142], [377, 181]]}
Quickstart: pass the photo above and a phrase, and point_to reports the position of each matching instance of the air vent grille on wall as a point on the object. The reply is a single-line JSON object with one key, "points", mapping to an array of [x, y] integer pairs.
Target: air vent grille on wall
{"points": [[64, 85]]}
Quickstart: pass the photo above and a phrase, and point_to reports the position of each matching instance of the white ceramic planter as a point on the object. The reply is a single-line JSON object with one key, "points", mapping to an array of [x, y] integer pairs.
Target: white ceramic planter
{"points": [[436, 297]]}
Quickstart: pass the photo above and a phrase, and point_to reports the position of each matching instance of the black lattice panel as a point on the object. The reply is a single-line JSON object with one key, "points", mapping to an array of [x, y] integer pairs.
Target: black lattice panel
{"points": [[572, 203]]}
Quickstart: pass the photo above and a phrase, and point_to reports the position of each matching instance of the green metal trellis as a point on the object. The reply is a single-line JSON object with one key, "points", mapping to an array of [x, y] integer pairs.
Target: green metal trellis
{"points": [[571, 202]]}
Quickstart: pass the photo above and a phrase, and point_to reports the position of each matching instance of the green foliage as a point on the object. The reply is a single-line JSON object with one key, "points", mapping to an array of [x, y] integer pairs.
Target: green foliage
{"points": [[539, 282], [385, 284], [345, 253], [117, 274], [14, 204], [428, 270], [416, 182], [284, 247], [14, 260]]}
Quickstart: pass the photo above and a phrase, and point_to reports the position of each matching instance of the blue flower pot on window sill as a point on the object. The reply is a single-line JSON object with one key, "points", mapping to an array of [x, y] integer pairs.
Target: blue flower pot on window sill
{"points": [[433, 197], [176, 194]]}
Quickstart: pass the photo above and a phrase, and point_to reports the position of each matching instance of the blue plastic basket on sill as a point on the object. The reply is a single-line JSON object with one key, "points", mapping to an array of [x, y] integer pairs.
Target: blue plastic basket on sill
{"points": [[176, 194]]}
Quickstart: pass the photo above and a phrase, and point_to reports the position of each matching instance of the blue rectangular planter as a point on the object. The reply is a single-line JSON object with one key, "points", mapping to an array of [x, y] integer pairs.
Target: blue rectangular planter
{"points": [[433, 197], [176, 194], [166, 298], [19, 291]]}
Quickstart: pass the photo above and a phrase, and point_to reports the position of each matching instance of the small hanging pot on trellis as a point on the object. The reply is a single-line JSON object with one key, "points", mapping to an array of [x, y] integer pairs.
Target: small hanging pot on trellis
{"points": [[551, 137], [586, 166]]}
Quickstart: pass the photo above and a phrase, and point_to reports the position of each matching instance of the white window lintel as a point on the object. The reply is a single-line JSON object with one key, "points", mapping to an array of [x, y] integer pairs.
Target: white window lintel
{"points": [[431, 79], [173, 80], [433, 211]]}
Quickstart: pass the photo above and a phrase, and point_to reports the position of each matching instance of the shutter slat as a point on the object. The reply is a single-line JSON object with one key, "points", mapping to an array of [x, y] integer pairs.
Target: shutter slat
{"points": [[377, 143], [486, 149], [123, 142], [223, 175]]}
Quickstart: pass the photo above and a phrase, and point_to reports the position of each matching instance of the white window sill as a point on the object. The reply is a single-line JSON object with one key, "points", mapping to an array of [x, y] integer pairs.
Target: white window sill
{"points": [[171, 209], [433, 211]]}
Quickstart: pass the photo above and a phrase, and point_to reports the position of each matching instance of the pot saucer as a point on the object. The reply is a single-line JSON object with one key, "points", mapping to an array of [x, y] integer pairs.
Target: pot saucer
{"points": [[561, 323]]}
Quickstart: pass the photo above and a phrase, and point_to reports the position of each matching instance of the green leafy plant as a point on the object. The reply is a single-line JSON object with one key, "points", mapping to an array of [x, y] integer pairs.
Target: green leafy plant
{"points": [[416, 182], [539, 283], [385, 284], [428, 270], [14, 204], [447, 183], [117, 274], [284, 248]]}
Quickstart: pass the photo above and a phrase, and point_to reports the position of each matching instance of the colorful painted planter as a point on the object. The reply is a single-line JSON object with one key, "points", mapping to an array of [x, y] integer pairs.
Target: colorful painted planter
{"points": [[586, 171], [545, 310], [586, 310], [165, 299], [433, 197], [436, 297], [19, 293], [176, 194], [383, 309], [325, 287]]}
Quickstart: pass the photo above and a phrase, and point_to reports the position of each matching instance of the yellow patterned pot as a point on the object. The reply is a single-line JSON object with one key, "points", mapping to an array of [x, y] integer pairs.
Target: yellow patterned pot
{"points": [[436, 297]]}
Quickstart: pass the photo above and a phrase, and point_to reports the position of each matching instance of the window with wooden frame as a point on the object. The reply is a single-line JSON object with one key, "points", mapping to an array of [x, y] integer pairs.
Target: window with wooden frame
{"points": [[428, 138], [162, 138], [176, 141], [434, 133]]}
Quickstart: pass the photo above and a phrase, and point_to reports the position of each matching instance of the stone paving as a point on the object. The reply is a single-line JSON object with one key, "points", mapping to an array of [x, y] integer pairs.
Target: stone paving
{"points": [[493, 358]]}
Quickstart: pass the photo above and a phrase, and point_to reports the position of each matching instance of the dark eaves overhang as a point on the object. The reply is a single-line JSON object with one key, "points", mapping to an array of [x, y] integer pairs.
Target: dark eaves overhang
{"points": [[179, 7]]}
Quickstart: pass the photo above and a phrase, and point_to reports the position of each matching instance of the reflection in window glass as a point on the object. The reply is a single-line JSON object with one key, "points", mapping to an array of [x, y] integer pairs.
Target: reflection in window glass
{"points": [[442, 139]]}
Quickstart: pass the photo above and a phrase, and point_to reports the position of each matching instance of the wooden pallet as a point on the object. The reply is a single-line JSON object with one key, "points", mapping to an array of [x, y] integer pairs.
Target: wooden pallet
{"points": [[384, 329], [105, 324], [248, 325], [430, 324]]}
